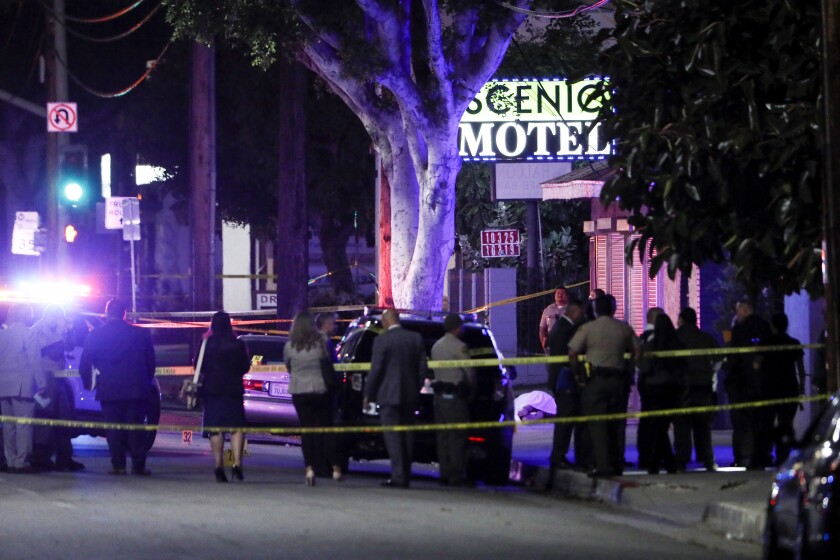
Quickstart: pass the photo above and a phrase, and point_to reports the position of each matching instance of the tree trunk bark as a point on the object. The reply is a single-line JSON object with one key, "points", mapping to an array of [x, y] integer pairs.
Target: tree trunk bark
{"points": [[292, 243], [203, 176], [383, 274]]}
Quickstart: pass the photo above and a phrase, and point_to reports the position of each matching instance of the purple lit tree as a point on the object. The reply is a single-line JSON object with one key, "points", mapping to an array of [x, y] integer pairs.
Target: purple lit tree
{"points": [[408, 69]]}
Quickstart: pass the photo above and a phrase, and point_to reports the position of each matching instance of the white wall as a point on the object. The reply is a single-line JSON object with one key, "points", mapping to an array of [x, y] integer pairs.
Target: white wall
{"points": [[236, 259]]}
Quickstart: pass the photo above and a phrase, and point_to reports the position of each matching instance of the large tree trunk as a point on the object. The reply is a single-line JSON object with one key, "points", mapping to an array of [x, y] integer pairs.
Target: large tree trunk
{"points": [[292, 243]]}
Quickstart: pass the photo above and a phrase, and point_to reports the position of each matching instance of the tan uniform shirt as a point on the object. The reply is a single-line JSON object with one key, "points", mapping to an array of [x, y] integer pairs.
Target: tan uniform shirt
{"points": [[605, 341], [451, 347]]}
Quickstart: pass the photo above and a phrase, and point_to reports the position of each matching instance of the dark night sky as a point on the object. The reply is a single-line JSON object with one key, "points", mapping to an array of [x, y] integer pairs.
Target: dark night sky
{"points": [[106, 67]]}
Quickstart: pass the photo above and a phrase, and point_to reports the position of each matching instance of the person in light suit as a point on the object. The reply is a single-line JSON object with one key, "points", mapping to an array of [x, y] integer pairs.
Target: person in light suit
{"points": [[21, 378], [398, 369]]}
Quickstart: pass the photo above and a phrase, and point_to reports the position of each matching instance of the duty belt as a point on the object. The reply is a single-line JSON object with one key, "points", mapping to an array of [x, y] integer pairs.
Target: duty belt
{"points": [[608, 372]]}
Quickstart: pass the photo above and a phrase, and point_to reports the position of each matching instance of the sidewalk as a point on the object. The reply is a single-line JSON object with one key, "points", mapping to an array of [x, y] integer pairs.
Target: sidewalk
{"points": [[730, 502]]}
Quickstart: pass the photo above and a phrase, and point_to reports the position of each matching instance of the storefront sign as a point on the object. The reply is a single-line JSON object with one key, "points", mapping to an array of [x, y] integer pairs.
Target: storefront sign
{"points": [[545, 120]]}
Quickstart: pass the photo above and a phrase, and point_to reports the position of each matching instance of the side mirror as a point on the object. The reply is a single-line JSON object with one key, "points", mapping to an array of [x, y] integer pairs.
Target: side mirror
{"points": [[511, 372]]}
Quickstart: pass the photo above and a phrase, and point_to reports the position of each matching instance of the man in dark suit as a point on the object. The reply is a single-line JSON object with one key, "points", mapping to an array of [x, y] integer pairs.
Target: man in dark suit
{"points": [[398, 368], [566, 391], [125, 358]]}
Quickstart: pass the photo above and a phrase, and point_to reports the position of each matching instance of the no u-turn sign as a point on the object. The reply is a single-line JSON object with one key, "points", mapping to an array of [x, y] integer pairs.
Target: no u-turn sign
{"points": [[62, 117]]}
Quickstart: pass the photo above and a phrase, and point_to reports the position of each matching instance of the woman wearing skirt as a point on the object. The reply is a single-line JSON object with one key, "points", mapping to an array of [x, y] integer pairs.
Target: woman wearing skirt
{"points": [[224, 363]]}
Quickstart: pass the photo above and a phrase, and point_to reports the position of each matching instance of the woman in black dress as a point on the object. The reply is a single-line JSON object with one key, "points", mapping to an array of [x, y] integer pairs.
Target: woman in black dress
{"points": [[225, 362]]}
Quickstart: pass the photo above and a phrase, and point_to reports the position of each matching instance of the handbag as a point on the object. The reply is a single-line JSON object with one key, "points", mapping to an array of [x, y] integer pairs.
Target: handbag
{"points": [[191, 388], [328, 373]]}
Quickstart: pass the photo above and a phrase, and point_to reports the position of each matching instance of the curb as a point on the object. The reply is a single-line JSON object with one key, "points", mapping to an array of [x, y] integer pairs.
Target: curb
{"points": [[567, 484], [736, 521], [742, 522]]}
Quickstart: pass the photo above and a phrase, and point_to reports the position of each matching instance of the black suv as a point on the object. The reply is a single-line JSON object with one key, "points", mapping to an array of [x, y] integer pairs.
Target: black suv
{"points": [[489, 449]]}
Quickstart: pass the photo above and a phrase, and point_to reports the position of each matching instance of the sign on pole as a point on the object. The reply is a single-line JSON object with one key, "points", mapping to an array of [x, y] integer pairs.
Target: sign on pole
{"points": [[23, 234], [499, 243], [62, 117], [130, 218], [114, 212]]}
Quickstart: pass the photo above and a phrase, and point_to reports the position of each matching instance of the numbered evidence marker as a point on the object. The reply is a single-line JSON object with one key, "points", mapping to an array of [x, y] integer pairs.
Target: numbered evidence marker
{"points": [[229, 454], [186, 437]]}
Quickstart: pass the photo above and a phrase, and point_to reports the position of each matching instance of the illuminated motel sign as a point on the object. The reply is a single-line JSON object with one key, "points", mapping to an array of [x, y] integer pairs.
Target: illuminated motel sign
{"points": [[529, 120]]}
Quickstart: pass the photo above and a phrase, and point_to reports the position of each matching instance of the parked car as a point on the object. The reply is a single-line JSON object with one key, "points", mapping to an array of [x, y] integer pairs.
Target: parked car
{"points": [[267, 401], [803, 512]]}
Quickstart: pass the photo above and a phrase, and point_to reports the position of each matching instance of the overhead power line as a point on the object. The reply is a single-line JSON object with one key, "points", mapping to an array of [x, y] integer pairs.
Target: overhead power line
{"points": [[102, 19], [553, 15], [120, 93], [117, 37]]}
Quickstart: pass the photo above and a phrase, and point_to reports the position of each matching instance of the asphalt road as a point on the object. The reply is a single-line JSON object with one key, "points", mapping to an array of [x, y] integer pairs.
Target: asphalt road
{"points": [[181, 512]]}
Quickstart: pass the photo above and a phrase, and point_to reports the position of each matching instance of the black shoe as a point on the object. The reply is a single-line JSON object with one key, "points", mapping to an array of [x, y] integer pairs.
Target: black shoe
{"points": [[393, 484], [652, 470], [141, 472], [220, 474], [117, 471], [72, 466], [236, 473], [711, 467]]}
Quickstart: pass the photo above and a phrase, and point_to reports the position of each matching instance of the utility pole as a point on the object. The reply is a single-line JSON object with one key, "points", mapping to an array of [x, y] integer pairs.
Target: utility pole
{"points": [[831, 182], [203, 176], [57, 91]]}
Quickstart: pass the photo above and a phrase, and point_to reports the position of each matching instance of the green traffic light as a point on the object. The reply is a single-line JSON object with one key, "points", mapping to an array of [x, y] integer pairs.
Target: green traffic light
{"points": [[73, 192]]}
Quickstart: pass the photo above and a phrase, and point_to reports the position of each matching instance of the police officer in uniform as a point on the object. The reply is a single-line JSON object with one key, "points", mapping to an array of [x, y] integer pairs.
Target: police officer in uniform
{"points": [[454, 388], [605, 341]]}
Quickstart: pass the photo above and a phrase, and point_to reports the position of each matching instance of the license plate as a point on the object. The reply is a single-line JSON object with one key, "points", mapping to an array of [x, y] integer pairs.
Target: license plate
{"points": [[278, 390]]}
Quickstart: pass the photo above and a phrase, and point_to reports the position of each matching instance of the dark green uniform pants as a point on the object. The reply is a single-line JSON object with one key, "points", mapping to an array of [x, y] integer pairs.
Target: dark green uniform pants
{"points": [[451, 444]]}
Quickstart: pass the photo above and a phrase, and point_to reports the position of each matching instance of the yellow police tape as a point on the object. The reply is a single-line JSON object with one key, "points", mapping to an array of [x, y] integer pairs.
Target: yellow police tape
{"points": [[489, 362], [415, 427], [517, 299]]}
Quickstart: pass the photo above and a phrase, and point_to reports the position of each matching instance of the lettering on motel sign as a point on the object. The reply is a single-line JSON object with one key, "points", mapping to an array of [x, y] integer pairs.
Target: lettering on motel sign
{"points": [[532, 120], [499, 243]]}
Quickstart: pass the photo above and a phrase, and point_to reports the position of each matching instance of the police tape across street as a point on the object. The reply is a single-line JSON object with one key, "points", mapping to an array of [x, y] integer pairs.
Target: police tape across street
{"points": [[188, 370]]}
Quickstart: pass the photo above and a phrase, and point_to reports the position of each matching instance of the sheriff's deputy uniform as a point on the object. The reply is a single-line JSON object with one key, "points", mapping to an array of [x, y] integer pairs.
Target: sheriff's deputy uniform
{"points": [[453, 389]]}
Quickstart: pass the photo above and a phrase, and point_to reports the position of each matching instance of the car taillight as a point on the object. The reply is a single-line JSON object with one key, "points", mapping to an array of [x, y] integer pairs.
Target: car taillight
{"points": [[475, 439], [253, 385]]}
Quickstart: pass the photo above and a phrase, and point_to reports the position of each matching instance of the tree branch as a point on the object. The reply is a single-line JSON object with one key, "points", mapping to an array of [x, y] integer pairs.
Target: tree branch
{"points": [[487, 52], [437, 58]]}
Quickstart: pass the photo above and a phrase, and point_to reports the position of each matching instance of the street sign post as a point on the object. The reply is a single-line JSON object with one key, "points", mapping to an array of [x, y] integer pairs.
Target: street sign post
{"points": [[131, 233], [499, 243]]}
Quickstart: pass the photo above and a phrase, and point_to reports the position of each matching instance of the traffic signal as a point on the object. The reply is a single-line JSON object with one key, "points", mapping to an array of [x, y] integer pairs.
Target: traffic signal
{"points": [[73, 183]]}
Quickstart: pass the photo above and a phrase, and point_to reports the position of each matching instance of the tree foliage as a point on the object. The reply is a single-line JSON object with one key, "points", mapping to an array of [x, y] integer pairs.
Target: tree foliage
{"points": [[714, 110]]}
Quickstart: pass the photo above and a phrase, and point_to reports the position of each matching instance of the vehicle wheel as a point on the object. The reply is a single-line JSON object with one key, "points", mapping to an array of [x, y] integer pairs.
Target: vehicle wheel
{"points": [[497, 466], [153, 416], [770, 548]]}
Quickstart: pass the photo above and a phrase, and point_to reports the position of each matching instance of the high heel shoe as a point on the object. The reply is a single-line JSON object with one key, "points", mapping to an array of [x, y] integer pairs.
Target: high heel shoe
{"points": [[236, 472], [310, 477], [338, 476], [220, 474]]}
